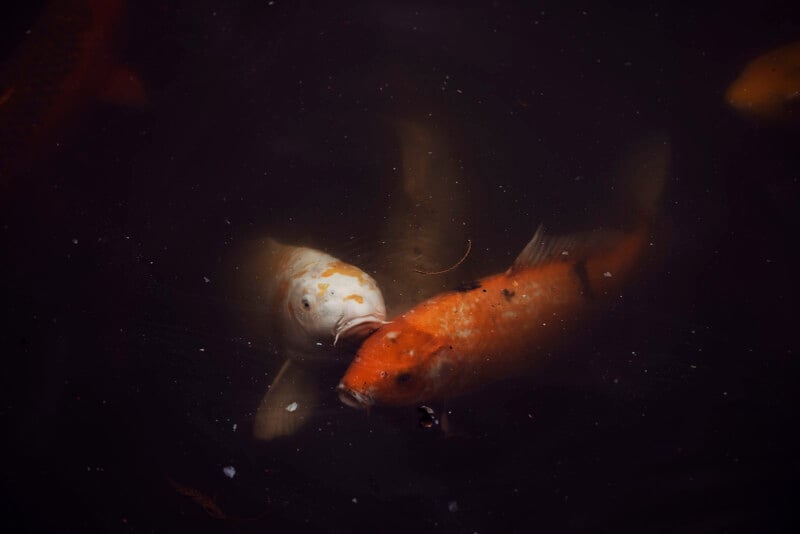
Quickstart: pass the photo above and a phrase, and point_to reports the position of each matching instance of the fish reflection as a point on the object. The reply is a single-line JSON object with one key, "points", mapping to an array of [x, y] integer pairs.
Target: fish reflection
{"points": [[313, 300], [65, 61], [769, 86], [502, 324]]}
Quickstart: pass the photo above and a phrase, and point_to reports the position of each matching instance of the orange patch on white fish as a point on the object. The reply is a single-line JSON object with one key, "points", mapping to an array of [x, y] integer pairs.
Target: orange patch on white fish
{"points": [[345, 269]]}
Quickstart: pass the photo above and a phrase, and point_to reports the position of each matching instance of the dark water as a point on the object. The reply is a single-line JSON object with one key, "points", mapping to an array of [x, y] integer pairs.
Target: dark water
{"points": [[124, 368]]}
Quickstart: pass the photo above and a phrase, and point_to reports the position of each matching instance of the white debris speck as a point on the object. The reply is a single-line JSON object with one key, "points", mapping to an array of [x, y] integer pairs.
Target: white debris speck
{"points": [[206, 279], [74, 240], [292, 407], [565, 252], [452, 506], [229, 471], [319, 344], [354, 500], [607, 274], [202, 349], [235, 426]]}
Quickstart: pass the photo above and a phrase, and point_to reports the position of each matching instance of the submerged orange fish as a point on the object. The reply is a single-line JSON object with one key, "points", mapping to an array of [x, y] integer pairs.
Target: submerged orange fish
{"points": [[500, 325], [64, 62], [769, 86]]}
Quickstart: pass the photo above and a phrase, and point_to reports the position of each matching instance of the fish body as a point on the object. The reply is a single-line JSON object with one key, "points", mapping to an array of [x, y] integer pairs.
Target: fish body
{"points": [[494, 328], [427, 216], [769, 85]]}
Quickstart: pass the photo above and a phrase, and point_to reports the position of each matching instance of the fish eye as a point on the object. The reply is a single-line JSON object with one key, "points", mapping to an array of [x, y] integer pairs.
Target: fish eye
{"points": [[306, 302], [403, 378]]}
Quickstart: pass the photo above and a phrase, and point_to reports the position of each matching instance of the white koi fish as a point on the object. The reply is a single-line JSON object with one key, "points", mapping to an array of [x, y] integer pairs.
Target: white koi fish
{"points": [[313, 300]]}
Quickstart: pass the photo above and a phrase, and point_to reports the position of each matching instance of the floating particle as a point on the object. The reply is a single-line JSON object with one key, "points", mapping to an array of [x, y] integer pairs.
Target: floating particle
{"points": [[206, 279], [607, 274], [354, 500], [452, 506], [291, 407], [235, 426], [74, 240], [229, 471]]}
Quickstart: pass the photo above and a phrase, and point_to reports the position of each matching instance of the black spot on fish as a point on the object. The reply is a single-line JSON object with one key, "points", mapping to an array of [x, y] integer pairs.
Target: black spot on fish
{"points": [[403, 378], [468, 286], [583, 278], [508, 294]]}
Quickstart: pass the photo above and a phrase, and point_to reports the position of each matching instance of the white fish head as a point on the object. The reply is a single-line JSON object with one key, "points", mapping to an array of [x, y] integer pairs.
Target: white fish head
{"points": [[336, 301]]}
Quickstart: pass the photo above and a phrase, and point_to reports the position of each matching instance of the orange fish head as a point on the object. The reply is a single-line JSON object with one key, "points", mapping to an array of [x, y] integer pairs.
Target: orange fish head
{"points": [[398, 365]]}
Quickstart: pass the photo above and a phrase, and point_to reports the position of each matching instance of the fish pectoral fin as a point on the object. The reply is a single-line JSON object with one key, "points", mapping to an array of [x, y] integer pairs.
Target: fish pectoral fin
{"points": [[288, 403]]}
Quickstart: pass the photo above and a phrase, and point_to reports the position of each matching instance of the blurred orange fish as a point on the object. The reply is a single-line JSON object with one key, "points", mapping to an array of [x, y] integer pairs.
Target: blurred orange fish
{"points": [[769, 86], [503, 324], [63, 62]]}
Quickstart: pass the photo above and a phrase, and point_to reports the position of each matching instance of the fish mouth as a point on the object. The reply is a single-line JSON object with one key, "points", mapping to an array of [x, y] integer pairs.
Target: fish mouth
{"points": [[357, 327], [354, 399]]}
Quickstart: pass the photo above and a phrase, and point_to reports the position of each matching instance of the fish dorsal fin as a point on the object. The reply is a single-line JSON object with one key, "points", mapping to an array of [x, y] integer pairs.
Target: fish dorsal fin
{"points": [[543, 249]]}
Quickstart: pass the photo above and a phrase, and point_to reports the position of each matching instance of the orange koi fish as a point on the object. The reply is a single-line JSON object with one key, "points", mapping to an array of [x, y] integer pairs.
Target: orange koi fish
{"points": [[500, 325], [769, 86]]}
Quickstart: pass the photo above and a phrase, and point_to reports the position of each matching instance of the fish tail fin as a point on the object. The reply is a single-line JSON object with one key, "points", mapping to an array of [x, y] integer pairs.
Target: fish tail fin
{"points": [[644, 170]]}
